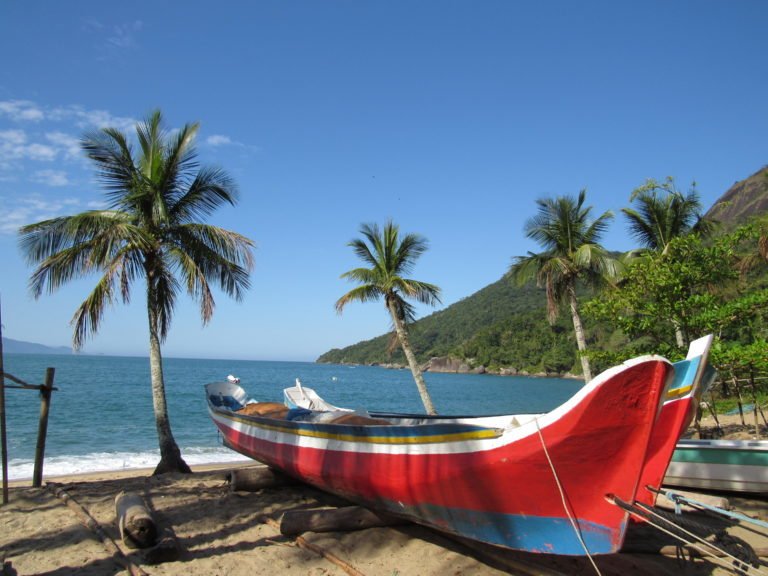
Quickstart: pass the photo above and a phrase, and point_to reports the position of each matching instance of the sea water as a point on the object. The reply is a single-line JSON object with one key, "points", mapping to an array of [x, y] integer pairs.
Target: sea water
{"points": [[101, 416]]}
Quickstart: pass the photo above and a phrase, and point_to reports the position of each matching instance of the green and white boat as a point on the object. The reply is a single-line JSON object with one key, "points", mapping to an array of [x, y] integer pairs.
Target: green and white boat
{"points": [[728, 465]]}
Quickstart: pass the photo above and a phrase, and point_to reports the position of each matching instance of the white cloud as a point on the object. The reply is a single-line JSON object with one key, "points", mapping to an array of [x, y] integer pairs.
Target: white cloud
{"points": [[124, 35], [12, 137], [21, 110], [39, 152], [25, 110], [14, 147], [218, 140], [31, 209], [84, 118], [69, 145], [51, 177]]}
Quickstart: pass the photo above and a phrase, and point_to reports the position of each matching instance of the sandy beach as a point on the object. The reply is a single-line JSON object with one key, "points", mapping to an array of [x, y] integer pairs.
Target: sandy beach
{"points": [[221, 532]]}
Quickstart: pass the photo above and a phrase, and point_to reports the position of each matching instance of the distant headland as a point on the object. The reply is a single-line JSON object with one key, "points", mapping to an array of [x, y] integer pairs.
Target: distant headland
{"points": [[12, 346]]}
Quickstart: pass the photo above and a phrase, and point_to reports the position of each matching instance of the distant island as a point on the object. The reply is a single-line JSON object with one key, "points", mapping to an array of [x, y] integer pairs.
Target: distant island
{"points": [[20, 347]]}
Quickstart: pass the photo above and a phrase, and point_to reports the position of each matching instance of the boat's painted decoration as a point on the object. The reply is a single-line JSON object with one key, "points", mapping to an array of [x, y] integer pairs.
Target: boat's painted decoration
{"points": [[691, 378], [494, 484]]}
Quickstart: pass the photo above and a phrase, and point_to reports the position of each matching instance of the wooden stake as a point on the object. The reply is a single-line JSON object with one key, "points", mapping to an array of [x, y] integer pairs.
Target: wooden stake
{"points": [[3, 435], [45, 402]]}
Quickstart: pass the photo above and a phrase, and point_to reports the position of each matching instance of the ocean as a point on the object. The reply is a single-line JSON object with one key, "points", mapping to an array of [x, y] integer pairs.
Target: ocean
{"points": [[101, 416]]}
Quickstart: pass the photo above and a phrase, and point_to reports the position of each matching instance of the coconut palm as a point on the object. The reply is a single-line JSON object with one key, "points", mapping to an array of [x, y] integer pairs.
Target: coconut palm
{"points": [[390, 258], [571, 255], [662, 213], [150, 229]]}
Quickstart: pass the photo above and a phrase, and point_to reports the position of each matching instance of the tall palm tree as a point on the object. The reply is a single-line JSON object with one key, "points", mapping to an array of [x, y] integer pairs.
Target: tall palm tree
{"points": [[151, 229], [572, 254], [662, 213], [390, 258]]}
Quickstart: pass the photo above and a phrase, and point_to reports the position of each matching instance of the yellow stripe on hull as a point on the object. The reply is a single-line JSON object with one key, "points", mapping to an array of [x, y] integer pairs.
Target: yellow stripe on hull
{"points": [[483, 434]]}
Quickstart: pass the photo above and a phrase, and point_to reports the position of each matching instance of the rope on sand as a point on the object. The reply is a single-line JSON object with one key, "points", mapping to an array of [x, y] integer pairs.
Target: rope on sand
{"points": [[302, 543], [92, 524]]}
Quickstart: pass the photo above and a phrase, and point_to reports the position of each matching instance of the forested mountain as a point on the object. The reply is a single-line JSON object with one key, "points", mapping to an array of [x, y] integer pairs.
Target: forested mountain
{"points": [[503, 328]]}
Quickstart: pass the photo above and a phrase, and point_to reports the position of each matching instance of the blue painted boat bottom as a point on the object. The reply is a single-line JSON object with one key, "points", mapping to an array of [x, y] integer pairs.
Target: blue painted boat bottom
{"points": [[540, 534]]}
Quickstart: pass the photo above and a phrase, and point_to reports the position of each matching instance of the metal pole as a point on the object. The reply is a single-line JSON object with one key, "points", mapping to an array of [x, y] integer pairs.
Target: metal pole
{"points": [[45, 401], [3, 435]]}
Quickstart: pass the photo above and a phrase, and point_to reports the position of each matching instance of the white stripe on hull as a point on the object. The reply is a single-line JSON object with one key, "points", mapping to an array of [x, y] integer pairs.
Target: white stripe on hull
{"points": [[717, 476]]}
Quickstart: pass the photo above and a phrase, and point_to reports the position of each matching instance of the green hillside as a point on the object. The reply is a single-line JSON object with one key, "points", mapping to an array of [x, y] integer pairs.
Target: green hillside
{"points": [[503, 328], [500, 326]]}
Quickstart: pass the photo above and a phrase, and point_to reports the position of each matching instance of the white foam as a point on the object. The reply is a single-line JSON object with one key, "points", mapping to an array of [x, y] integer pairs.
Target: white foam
{"points": [[22, 469]]}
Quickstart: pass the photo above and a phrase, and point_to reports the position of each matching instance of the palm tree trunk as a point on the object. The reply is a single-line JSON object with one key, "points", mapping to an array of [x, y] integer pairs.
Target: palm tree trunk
{"points": [[402, 335], [679, 338], [578, 329], [170, 455]]}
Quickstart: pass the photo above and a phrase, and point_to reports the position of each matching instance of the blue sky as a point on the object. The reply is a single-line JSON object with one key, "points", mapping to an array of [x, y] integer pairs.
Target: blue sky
{"points": [[451, 118]]}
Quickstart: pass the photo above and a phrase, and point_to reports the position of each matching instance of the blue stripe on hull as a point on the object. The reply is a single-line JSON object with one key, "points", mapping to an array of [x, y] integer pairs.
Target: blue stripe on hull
{"points": [[541, 534]]}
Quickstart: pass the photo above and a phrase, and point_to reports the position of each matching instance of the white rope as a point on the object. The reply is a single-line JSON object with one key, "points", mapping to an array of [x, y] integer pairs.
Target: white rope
{"points": [[563, 499]]}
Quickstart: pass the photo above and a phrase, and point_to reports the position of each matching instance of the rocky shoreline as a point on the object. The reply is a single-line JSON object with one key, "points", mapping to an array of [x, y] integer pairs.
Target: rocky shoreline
{"points": [[449, 365]]}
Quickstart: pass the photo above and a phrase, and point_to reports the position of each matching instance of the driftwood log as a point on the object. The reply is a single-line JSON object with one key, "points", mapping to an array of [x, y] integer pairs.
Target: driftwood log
{"points": [[91, 523], [253, 479], [296, 522], [167, 548], [137, 527]]}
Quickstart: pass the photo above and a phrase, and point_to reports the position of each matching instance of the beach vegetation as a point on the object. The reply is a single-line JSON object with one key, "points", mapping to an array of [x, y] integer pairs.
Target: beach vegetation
{"points": [[152, 229], [389, 257], [571, 256], [660, 212]]}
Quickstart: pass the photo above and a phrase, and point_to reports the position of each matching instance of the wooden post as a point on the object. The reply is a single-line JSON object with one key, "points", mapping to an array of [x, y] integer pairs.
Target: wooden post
{"points": [[3, 435], [45, 402]]}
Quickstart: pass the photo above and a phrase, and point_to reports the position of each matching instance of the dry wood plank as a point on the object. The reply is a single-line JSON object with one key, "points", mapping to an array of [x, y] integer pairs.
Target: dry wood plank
{"points": [[296, 522]]}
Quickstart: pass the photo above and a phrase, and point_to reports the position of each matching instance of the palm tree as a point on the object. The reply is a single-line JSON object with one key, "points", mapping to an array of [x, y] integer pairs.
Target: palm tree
{"points": [[150, 230], [571, 254], [663, 213], [390, 257]]}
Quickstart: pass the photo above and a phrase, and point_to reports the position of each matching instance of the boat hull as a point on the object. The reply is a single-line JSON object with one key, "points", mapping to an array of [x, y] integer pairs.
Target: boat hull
{"points": [[539, 487], [726, 465], [692, 377]]}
